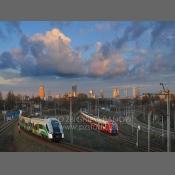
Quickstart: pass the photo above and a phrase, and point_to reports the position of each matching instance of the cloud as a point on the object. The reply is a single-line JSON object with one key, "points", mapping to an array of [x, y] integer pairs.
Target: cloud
{"points": [[48, 54], [13, 27], [7, 61], [10, 28], [51, 54], [13, 81], [163, 34], [101, 65]]}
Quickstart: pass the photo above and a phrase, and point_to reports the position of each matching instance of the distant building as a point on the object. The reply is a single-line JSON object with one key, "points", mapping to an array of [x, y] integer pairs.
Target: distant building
{"points": [[101, 93], [74, 90], [26, 98], [42, 92], [116, 92], [58, 95], [91, 94], [136, 92], [126, 92], [49, 98]]}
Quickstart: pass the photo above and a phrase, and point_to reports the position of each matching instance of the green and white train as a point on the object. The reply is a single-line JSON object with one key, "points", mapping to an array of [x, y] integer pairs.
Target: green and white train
{"points": [[50, 128]]}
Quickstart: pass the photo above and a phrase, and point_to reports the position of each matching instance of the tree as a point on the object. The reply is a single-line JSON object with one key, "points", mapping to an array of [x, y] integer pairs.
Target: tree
{"points": [[1, 101], [82, 96], [10, 100]]}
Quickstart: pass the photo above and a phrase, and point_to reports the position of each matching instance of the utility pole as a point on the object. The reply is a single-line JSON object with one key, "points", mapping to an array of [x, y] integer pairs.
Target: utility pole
{"points": [[40, 108], [98, 122], [89, 107], [174, 120], [162, 131], [132, 116], [4, 113], [55, 108], [95, 106], [30, 107], [168, 124], [167, 93], [70, 119], [149, 127]]}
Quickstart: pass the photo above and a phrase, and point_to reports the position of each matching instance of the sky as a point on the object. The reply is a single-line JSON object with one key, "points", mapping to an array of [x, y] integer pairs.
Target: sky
{"points": [[91, 54]]}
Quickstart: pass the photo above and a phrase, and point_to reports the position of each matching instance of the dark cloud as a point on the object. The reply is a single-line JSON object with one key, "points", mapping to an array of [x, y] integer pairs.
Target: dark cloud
{"points": [[131, 33], [37, 48], [7, 61], [25, 44], [163, 33]]}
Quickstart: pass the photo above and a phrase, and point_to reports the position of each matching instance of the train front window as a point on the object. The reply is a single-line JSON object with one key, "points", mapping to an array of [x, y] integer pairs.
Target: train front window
{"points": [[114, 126], [47, 128], [55, 125]]}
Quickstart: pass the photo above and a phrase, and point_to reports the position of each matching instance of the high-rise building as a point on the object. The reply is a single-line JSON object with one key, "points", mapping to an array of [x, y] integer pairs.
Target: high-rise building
{"points": [[91, 94], [126, 92], [101, 93], [74, 90], [136, 92], [41, 92], [115, 92]]}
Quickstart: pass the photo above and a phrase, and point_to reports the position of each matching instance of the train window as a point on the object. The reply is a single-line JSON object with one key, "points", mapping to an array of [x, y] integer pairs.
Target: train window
{"points": [[55, 125], [35, 127], [47, 128], [40, 126]]}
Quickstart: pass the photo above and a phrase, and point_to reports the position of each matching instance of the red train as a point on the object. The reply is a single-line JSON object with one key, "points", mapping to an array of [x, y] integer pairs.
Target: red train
{"points": [[109, 126]]}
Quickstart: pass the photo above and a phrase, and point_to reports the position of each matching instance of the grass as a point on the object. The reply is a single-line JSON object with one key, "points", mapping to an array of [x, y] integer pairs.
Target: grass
{"points": [[84, 136], [12, 141], [98, 141]]}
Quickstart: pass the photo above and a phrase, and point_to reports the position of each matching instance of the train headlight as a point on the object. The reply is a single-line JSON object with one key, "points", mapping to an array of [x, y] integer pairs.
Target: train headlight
{"points": [[50, 136], [62, 136]]}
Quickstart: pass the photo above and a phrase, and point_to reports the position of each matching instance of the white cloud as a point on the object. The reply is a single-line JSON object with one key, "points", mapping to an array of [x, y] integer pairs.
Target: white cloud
{"points": [[112, 65]]}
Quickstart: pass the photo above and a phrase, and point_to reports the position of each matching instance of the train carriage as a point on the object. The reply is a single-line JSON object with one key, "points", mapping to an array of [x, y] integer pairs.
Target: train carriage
{"points": [[107, 126], [50, 128]]}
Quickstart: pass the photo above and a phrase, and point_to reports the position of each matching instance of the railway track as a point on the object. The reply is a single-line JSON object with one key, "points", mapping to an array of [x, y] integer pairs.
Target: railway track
{"points": [[142, 147], [64, 145], [4, 126], [75, 148]]}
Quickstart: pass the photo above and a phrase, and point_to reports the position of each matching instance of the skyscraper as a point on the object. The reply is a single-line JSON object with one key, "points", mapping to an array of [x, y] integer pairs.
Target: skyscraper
{"points": [[136, 92], [101, 93], [91, 94], [41, 92], [116, 92], [126, 92], [74, 90]]}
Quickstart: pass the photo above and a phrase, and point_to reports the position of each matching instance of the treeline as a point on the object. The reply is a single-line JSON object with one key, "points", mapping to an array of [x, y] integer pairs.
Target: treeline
{"points": [[10, 101]]}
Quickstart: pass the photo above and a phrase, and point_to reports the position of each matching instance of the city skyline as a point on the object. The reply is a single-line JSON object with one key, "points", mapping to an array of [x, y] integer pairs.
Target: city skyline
{"points": [[90, 54]]}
